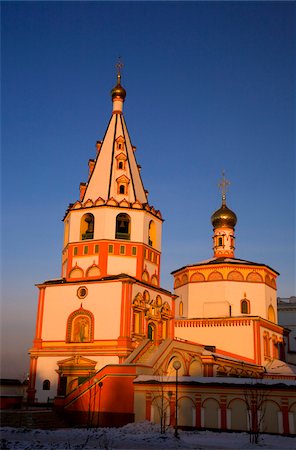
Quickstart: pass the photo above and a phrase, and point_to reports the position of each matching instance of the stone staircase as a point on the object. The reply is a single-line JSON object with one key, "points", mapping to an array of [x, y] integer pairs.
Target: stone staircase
{"points": [[145, 357], [42, 418]]}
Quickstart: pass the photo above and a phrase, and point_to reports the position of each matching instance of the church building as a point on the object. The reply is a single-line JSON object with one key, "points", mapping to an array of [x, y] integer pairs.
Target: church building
{"points": [[108, 337]]}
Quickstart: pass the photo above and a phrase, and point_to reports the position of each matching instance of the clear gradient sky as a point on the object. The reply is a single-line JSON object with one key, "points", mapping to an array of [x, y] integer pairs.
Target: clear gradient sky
{"points": [[210, 86]]}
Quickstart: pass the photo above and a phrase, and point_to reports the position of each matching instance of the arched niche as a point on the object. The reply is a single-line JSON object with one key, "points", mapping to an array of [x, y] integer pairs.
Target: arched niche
{"points": [[186, 416], [210, 413], [154, 280], [271, 313], [76, 273], [235, 275], [80, 326], [171, 371], [93, 271], [238, 414], [197, 276], [254, 277], [195, 368], [184, 279], [145, 276], [215, 276], [177, 283]]}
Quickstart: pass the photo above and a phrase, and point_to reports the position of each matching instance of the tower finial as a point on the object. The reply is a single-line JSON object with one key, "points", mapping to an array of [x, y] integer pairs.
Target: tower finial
{"points": [[119, 66], [118, 93], [223, 185]]}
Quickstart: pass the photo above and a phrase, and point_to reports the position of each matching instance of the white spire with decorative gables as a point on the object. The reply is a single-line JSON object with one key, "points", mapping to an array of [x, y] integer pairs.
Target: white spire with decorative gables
{"points": [[115, 173]]}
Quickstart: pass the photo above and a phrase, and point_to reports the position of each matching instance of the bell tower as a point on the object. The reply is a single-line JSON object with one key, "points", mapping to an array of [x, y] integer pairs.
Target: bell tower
{"points": [[223, 221], [112, 228]]}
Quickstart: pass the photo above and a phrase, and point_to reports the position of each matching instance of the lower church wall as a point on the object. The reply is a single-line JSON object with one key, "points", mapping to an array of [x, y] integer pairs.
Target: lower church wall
{"points": [[47, 368], [220, 407]]}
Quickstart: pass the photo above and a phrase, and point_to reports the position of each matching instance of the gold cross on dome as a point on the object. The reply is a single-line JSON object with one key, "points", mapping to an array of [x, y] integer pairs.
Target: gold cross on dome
{"points": [[223, 185], [119, 65]]}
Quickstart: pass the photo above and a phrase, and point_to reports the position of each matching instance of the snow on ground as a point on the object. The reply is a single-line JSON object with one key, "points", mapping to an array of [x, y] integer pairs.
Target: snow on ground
{"points": [[135, 436]]}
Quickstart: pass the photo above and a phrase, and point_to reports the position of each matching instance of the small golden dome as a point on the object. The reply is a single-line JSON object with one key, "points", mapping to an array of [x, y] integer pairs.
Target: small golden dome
{"points": [[224, 217], [118, 90]]}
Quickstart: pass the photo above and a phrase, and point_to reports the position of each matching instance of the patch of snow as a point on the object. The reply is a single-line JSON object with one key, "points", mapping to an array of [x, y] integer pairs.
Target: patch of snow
{"points": [[143, 435], [220, 380]]}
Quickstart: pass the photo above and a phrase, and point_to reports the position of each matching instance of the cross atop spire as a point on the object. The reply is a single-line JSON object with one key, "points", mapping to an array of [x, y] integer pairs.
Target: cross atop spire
{"points": [[118, 92], [223, 185], [119, 65]]}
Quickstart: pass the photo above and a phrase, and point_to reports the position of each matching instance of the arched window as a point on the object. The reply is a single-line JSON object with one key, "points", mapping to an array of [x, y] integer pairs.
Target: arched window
{"points": [[245, 306], [66, 233], [137, 319], [87, 226], [220, 241], [120, 165], [123, 224], [152, 234], [266, 344], [275, 347], [122, 189], [151, 332], [46, 385], [181, 308]]}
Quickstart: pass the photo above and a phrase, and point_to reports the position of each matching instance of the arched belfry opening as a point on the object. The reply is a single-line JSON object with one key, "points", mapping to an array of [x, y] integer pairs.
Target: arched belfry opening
{"points": [[123, 226], [152, 234], [87, 226]]}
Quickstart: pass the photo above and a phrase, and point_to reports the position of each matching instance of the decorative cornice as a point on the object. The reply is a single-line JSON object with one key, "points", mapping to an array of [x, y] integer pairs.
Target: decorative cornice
{"points": [[223, 322]]}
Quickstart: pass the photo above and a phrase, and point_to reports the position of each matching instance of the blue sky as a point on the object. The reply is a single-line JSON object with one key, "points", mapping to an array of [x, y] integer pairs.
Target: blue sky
{"points": [[210, 86]]}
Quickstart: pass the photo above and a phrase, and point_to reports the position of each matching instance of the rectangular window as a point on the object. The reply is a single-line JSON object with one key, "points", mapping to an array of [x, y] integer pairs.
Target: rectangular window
{"points": [[134, 251], [75, 251], [122, 249], [110, 248], [96, 248], [85, 250]]}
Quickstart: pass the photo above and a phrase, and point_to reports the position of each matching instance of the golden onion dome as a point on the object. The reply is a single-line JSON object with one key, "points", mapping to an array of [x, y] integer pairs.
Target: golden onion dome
{"points": [[118, 90], [224, 217]]}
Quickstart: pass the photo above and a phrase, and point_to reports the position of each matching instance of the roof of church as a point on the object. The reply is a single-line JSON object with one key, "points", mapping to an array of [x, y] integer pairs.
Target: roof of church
{"points": [[278, 367], [120, 276], [107, 174], [282, 383], [225, 260]]}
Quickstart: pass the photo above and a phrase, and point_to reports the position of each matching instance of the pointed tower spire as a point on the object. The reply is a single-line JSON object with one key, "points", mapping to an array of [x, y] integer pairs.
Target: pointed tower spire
{"points": [[223, 221], [115, 173]]}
